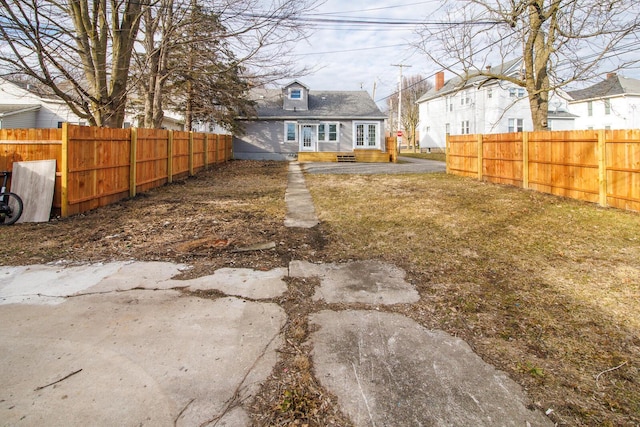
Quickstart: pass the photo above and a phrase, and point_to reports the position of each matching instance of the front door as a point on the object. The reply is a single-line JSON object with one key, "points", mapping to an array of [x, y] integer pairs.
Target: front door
{"points": [[308, 137]]}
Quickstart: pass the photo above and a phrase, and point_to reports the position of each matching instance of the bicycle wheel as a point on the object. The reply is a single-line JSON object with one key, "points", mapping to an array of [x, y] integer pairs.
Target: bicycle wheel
{"points": [[10, 208]]}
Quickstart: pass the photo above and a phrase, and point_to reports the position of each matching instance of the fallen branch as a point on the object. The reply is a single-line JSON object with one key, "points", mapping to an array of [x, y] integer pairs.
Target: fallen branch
{"points": [[609, 370], [175, 421], [56, 382]]}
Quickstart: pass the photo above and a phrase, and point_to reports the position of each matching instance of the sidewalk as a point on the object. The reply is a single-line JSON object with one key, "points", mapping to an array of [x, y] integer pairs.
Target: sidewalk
{"points": [[125, 344]]}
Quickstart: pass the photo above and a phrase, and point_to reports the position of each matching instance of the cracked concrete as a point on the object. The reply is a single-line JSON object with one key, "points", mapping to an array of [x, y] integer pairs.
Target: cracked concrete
{"points": [[122, 343]]}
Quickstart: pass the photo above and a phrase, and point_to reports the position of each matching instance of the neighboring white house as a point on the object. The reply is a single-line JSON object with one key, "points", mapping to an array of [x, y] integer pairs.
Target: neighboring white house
{"points": [[482, 105], [22, 106], [611, 104]]}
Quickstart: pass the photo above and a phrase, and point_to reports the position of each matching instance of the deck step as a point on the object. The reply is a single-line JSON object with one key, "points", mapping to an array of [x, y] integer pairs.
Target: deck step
{"points": [[351, 158]]}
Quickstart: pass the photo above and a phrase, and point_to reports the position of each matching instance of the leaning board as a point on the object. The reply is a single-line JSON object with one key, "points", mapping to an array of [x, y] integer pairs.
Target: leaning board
{"points": [[34, 182]]}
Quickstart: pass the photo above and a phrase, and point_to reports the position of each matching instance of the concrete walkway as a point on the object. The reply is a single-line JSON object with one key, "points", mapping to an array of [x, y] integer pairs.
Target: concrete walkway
{"points": [[125, 344]]}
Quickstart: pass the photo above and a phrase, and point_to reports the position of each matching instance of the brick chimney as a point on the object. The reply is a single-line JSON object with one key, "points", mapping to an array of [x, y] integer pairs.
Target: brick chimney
{"points": [[611, 75], [439, 80]]}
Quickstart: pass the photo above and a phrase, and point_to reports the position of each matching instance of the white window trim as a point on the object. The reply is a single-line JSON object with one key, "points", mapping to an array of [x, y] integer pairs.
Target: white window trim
{"points": [[326, 132], [291, 90], [286, 134], [366, 147]]}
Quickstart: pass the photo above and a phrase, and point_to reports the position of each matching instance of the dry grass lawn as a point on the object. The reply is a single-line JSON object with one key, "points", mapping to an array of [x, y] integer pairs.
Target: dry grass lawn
{"points": [[545, 288]]}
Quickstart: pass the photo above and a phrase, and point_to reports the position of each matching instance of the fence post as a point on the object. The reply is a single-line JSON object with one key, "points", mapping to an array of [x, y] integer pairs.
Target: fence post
{"points": [[191, 153], [170, 158], [206, 151], [525, 159], [602, 167], [446, 152], [132, 163], [480, 156], [64, 169]]}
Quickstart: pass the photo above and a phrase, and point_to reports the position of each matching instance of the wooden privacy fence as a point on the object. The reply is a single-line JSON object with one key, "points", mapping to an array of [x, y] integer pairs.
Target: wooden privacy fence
{"points": [[98, 166], [594, 165]]}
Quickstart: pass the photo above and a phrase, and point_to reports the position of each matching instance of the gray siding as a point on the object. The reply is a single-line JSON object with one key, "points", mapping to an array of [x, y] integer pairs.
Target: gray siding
{"points": [[264, 140], [24, 120]]}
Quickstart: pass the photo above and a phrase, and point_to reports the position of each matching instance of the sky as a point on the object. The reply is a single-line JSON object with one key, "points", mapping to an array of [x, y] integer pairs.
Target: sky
{"points": [[354, 57]]}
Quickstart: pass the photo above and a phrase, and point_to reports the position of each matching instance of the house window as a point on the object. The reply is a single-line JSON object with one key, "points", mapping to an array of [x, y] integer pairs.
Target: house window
{"points": [[295, 94], [516, 125], [489, 93], [366, 135], [512, 92], [590, 108], [607, 106], [328, 132], [290, 132], [447, 128], [520, 92], [464, 127]]}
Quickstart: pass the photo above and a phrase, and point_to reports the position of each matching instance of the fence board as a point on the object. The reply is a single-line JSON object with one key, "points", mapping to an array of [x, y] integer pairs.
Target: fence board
{"points": [[600, 167], [462, 155], [180, 154], [151, 159], [97, 164]]}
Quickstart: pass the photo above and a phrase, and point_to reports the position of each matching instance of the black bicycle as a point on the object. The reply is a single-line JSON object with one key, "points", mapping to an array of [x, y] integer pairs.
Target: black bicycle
{"points": [[10, 203]]}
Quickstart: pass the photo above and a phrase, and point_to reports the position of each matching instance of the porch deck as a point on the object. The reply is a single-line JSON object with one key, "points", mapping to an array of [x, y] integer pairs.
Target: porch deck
{"points": [[365, 156]]}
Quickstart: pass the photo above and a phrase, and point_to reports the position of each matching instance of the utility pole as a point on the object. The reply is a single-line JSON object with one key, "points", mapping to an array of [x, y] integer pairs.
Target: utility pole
{"points": [[400, 66]]}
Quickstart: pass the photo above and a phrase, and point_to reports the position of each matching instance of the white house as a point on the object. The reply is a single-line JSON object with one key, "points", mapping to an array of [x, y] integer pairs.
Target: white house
{"points": [[23, 106], [611, 104], [482, 105]]}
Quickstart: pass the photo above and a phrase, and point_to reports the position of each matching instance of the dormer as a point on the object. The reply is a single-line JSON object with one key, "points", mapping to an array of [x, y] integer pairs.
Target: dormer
{"points": [[295, 96]]}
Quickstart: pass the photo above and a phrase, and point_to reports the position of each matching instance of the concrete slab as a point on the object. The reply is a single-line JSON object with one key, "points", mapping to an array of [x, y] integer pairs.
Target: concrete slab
{"points": [[368, 282], [243, 282], [387, 370], [300, 210], [47, 284], [135, 358], [50, 284]]}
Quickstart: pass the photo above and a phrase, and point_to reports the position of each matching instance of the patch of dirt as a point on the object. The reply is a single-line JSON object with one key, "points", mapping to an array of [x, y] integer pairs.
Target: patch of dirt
{"points": [[202, 221]]}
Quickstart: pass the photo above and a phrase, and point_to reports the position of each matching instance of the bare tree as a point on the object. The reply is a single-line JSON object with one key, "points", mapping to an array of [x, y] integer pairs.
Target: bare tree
{"points": [[413, 87], [79, 49], [560, 42]]}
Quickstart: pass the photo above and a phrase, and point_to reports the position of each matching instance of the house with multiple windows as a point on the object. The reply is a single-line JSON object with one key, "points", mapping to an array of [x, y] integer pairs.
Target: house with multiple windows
{"points": [[613, 103], [295, 122], [482, 105]]}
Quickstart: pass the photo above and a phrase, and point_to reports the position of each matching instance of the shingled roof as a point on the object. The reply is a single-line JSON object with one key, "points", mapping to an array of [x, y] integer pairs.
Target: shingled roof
{"points": [[456, 83], [614, 85], [322, 105]]}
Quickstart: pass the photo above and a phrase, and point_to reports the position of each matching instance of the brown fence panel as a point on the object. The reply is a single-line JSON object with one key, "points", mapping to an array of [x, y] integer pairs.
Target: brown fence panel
{"points": [[198, 151], [98, 167], [623, 169], [596, 166], [462, 155], [24, 145], [502, 158], [181, 154], [228, 141], [564, 163], [221, 149], [152, 157]]}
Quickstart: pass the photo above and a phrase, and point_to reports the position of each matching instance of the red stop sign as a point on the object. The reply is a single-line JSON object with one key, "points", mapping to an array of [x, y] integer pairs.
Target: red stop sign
{"points": [[399, 133]]}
